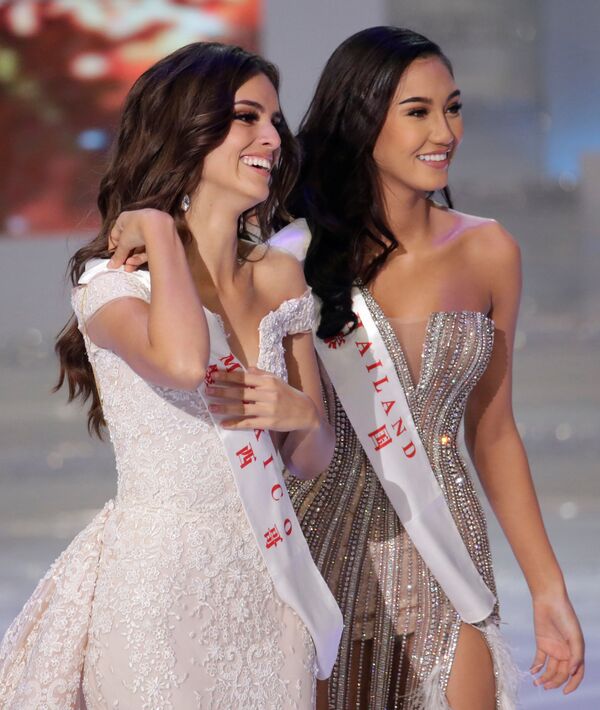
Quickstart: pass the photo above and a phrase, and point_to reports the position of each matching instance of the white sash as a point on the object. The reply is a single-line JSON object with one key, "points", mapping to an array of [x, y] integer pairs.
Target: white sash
{"points": [[257, 471], [363, 374]]}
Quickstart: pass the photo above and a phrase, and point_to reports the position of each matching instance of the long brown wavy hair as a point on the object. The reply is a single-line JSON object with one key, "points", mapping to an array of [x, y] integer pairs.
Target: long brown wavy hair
{"points": [[176, 113]]}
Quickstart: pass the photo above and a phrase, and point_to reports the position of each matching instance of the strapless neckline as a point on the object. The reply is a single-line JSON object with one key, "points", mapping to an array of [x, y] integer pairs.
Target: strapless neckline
{"points": [[414, 384]]}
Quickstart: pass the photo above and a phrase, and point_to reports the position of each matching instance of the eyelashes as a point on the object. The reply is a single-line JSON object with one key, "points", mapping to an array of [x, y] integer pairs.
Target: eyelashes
{"points": [[453, 109], [250, 117], [246, 116]]}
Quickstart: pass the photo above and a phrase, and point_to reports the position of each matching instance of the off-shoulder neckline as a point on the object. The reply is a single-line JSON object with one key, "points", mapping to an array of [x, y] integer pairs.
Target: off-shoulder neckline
{"points": [[263, 321]]}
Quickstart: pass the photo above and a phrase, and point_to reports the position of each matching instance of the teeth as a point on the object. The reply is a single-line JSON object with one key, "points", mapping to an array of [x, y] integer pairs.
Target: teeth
{"points": [[434, 157], [257, 162]]}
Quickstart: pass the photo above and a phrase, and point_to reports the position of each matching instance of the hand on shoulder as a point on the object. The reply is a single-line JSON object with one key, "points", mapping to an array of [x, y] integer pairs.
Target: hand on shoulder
{"points": [[132, 234]]}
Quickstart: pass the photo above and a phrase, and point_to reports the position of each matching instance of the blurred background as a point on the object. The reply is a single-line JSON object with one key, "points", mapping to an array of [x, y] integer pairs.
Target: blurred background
{"points": [[529, 71]]}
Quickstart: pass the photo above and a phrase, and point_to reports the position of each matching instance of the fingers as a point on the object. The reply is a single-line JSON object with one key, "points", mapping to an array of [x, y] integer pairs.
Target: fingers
{"points": [[577, 648], [138, 259], [576, 664], [115, 232], [240, 394], [560, 676], [233, 410], [562, 673], [239, 409], [574, 680], [120, 253], [247, 423], [237, 378], [119, 257], [538, 662], [134, 262], [127, 237], [113, 237], [549, 671], [253, 377], [557, 672]]}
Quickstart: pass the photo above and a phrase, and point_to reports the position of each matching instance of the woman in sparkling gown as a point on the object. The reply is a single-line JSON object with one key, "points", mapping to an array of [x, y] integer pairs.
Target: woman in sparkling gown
{"points": [[442, 289], [166, 600]]}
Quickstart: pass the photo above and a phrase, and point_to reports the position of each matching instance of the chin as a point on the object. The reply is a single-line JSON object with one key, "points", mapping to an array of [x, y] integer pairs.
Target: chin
{"points": [[440, 187], [434, 185]]}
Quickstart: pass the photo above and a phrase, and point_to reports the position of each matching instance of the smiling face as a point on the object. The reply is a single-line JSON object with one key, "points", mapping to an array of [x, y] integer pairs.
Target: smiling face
{"points": [[422, 129], [240, 167]]}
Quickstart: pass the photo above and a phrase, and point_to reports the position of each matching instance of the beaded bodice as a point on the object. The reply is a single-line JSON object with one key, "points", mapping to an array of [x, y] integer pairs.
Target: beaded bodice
{"points": [[455, 353], [386, 591]]}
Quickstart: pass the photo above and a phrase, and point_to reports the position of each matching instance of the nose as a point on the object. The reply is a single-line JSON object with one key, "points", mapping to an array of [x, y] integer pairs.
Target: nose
{"points": [[269, 136], [442, 132]]}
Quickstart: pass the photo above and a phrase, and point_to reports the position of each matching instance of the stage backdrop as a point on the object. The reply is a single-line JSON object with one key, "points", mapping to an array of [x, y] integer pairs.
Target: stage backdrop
{"points": [[65, 67]]}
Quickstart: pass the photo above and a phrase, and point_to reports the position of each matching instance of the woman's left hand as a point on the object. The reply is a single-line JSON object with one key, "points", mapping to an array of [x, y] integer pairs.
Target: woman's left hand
{"points": [[559, 654], [256, 399]]}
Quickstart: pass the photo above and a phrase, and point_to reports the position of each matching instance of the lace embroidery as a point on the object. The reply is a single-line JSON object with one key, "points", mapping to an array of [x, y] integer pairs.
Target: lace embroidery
{"points": [[296, 315], [167, 588], [108, 286]]}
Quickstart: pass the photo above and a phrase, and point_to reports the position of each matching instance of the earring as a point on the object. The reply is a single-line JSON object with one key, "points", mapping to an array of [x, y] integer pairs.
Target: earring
{"points": [[185, 203]]}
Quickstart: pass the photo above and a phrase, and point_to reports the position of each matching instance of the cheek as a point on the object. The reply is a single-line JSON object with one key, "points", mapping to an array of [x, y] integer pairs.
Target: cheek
{"points": [[401, 138], [396, 146], [214, 161], [219, 164]]}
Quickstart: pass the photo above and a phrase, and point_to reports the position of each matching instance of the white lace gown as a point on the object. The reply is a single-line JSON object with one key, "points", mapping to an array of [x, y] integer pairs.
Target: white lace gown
{"points": [[163, 602]]}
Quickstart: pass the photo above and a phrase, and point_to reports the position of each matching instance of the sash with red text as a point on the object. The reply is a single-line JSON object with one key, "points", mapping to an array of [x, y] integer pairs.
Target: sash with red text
{"points": [[365, 379], [257, 470]]}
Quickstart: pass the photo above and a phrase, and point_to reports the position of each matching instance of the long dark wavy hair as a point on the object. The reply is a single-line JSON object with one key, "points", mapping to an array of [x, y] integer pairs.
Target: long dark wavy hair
{"points": [[339, 191], [176, 113]]}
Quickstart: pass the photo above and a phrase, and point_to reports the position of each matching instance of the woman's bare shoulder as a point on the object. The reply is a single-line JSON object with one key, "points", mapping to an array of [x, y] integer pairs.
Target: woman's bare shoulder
{"points": [[486, 239], [464, 221]]}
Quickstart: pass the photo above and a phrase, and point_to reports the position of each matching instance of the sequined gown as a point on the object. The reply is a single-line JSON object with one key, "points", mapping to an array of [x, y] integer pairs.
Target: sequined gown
{"points": [[400, 629], [163, 602]]}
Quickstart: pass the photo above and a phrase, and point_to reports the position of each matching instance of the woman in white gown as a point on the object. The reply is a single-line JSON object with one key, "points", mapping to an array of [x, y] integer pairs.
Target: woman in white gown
{"points": [[169, 599]]}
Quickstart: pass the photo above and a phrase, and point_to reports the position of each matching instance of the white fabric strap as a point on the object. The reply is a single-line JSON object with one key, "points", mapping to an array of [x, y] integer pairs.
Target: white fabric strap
{"points": [[99, 266], [363, 374], [257, 471]]}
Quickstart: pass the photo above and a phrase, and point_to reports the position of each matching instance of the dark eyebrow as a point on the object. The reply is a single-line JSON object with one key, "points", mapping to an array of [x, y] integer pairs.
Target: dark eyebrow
{"points": [[277, 115], [422, 100], [254, 104]]}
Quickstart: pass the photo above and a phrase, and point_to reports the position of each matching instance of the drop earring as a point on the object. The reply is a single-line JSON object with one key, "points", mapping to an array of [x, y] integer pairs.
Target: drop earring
{"points": [[185, 202]]}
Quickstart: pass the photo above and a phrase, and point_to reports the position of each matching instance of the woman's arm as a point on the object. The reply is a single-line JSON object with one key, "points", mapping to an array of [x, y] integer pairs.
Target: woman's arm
{"points": [[307, 453], [166, 342], [500, 460]]}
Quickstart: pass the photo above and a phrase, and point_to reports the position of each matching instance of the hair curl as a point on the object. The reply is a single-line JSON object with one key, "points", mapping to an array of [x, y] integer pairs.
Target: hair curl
{"points": [[177, 112], [339, 191]]}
